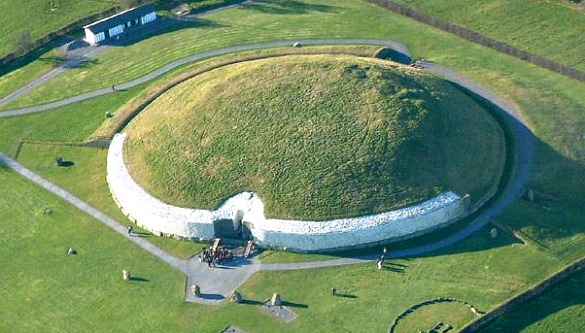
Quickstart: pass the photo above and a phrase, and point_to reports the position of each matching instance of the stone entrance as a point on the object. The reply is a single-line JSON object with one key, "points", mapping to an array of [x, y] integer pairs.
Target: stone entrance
{"points": [[232, 228]]}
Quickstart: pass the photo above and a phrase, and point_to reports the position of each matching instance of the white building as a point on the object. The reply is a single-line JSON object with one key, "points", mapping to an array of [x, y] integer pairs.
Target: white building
{"points": [[118, 25]]}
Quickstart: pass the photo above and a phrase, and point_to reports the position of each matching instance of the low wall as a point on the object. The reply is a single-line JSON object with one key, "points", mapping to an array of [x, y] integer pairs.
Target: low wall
{"points": [[305, 236]]}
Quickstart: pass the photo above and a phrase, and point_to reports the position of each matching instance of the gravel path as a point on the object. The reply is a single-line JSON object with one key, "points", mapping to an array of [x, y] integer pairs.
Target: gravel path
{"points": [[217, 283]]}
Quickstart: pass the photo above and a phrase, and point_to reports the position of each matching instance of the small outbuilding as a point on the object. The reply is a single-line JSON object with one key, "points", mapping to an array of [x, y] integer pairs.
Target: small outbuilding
{"points": [[115, 26]]}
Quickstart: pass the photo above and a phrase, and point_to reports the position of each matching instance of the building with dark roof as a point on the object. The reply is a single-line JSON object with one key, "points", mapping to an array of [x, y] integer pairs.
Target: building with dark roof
{"points": [[115, 26]]}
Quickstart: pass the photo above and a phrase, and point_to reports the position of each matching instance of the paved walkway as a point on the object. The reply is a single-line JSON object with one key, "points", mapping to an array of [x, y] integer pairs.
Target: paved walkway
{"points": [[217, 283]]}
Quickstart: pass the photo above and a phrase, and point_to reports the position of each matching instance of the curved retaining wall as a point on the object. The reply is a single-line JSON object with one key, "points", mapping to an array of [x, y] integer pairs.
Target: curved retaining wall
{"points": [[305, 236]]}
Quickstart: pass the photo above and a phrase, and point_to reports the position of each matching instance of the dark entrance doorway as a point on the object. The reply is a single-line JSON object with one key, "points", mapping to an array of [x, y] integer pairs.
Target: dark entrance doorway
{"points": [[231, 228]]}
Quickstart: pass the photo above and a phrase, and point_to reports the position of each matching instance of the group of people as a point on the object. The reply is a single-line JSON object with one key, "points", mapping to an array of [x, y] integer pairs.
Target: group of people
{"points": [[213, 257]]}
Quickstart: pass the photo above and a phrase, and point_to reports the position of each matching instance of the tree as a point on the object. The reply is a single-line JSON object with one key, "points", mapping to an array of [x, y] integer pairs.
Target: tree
{"points": [[23, 42]]}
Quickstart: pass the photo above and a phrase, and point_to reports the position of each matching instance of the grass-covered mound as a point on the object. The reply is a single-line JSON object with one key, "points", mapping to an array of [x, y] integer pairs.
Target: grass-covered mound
{"points": [[317, 137]]}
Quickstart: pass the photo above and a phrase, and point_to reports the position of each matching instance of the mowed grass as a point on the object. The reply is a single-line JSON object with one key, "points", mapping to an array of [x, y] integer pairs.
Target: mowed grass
{"points": [[46, 289], [16, 16], [494, 270], [546, 28], [316, 137]]}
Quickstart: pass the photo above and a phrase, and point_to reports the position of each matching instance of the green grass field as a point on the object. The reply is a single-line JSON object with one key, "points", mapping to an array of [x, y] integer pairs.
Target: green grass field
{"points": [[46, 290], [547, 28], [344, 136]]}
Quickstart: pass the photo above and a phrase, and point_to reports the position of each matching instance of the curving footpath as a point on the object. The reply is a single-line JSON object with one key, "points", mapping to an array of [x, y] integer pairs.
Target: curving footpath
{"points": [[217, 283], [200, 56]]}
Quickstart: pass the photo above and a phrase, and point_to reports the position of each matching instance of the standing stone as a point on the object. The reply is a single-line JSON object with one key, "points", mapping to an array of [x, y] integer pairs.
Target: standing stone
{"points": [[196, 290], [297, 44], [71, 251], [126, 275], [494, 233], [276, 299], [235, 297]]}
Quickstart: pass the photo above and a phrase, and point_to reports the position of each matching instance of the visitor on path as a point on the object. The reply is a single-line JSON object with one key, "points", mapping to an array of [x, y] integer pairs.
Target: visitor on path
{"points": [[130, 230]]}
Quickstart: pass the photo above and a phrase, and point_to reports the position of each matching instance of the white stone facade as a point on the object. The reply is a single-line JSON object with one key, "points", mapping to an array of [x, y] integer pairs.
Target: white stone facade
{"points": [[306, 236]]}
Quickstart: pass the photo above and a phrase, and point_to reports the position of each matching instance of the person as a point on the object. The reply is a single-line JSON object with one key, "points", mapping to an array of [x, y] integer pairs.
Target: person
{"points": [[129, 230]]}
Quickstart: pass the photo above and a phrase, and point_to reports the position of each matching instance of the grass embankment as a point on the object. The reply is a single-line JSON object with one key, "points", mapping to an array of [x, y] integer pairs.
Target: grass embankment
{"points": [[16, 16], [318, 137], [545, 28], [562, 309]]}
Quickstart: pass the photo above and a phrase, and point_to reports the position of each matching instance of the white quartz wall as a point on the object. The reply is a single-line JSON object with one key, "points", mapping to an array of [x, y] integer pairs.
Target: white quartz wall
{"points": [[146, 210], [157, 216]]}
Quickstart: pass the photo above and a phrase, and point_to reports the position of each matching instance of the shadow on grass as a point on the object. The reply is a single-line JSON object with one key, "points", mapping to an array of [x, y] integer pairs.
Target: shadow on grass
{"points": [[345, 295], [289, 7], [138, 279], [294, 305], [392, 267], [68, 63], [66, 164], [250, 302], [141, 234]]}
